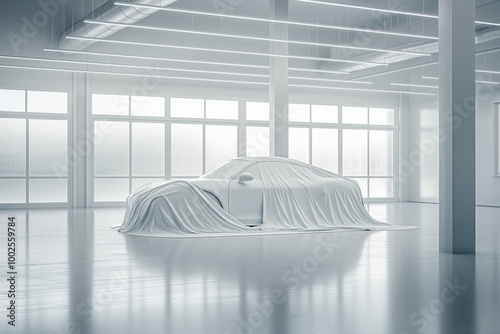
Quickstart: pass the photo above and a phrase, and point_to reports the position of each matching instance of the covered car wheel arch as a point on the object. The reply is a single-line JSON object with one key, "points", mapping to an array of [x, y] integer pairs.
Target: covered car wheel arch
{"points": [[213, 197]]}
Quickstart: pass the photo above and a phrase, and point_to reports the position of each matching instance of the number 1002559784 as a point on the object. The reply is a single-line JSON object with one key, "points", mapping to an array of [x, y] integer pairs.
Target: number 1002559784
{"points": [[11, 243], [11, 274]]}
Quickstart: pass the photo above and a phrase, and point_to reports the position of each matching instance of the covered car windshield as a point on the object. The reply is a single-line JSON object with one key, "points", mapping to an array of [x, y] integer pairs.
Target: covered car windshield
{"points": [[226, 170]]}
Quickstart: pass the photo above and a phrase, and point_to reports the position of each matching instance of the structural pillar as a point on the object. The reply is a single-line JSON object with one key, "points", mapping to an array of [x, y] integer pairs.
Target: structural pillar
{"points": [[457, 208], [278, 80]]}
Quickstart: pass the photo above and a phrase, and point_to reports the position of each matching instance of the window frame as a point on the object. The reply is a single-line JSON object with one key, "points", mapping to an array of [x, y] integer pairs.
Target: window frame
{"points": [[340, 126], [30, 115], [129, 119], [241, 123], [244, 123]]}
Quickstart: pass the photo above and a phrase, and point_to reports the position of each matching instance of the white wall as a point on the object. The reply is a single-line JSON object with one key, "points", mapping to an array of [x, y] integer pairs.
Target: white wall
{"points": [[488, 185], [421, 164], [423, 156]]}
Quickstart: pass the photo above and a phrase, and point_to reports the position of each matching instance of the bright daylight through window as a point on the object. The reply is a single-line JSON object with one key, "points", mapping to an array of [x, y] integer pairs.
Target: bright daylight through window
{"points": [[139, 139], [33, 167], [360, 146]]}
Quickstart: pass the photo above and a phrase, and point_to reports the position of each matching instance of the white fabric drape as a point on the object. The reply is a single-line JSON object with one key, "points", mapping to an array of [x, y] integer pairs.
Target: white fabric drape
{"points": [[175, 207], [296, 197]]}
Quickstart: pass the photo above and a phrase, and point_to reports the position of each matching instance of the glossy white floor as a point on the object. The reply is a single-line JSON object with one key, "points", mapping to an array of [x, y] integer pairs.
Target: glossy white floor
{"points": [[76, 275]]}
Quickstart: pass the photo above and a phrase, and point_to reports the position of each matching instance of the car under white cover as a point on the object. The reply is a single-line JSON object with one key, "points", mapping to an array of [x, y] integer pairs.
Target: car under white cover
{"points": [[250, 196]]}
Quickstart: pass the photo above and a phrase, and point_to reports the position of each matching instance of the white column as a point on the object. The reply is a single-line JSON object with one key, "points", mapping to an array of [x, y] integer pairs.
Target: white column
{"points": [[278, 81], [457, 126]]}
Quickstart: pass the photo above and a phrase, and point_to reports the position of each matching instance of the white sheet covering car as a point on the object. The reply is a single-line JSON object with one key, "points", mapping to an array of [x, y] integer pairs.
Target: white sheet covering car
{"points": [[250, 195]]}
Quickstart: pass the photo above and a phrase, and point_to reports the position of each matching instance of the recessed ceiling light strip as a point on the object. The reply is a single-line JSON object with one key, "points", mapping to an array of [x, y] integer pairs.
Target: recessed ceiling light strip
{"points": [[119, 55], [105, 54], [390, 11], [488, 82], [133, 66], [332, 80], [187, 11], [493, 24], [173, 69], [371, 9], [477, 81], [132, 74], [145, 67], [412, 85], [488, 72], [206, 80], [315, 70], [363, 90], [114, 41], [265, 39]]}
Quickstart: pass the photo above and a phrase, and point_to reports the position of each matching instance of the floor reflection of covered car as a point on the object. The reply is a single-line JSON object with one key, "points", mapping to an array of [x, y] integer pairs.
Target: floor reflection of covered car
{"points": [[237, 185]]}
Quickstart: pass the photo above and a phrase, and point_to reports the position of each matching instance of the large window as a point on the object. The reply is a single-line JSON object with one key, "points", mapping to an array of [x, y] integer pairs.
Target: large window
{"points": [[140, 139], [257, 129], [34, 147], [356, 142], [129, 144], [204, 135]]}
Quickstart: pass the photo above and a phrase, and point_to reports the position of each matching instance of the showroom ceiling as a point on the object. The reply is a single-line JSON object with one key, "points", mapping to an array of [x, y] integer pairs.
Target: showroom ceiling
{"points": [[328, 45]]}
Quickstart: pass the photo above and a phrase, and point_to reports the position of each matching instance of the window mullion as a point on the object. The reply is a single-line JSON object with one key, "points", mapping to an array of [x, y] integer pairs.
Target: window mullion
{"points": [[27, 173], [242, 133], [341, 143], [368, 154], [130, 126]]}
